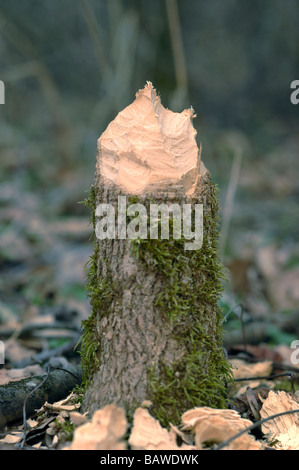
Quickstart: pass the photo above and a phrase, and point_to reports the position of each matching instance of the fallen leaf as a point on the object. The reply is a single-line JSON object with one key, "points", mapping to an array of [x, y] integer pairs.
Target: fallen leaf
{"points": [[11, 375], [15, 352], [148, 434], [242, 369], [285, 352], [262, 352], [212, 426], [104, 432], [77, 419], [266, 261], [12, 438], [174, 431], [284, 429], [281, 283], [284, 290]]}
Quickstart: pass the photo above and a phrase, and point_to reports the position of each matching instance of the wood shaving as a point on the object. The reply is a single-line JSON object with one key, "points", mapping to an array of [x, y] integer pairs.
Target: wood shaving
{"points": [[148, 434], [104, 432], [212, 426], [284, 429]]}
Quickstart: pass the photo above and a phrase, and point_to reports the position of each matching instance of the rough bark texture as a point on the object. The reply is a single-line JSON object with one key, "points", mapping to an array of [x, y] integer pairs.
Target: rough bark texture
{"points": [[155, 330]]}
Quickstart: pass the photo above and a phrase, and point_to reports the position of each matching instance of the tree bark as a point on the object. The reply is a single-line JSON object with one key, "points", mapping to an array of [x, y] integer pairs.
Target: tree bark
{"points": [[155, 329]]}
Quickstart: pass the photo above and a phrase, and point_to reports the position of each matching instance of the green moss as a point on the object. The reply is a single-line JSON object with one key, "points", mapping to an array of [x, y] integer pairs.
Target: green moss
{"points": [[286, 385], [189, 301], [66, 430], [200, 379]]}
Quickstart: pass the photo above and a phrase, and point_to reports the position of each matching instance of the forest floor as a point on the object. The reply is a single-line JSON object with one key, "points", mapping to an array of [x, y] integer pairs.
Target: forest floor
{"points": [[44, 245]]}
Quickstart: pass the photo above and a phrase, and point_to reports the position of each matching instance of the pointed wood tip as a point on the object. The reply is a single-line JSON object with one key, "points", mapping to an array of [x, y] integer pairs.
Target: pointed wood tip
{"points": [[147, 145]]}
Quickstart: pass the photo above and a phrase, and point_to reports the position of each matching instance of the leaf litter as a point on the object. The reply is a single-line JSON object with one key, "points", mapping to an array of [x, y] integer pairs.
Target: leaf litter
{"points": [[62, 425], [32, 280]]}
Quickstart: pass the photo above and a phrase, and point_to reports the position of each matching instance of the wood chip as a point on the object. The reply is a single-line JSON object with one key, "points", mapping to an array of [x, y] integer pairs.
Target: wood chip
{"points": [[284, 429], [148, 434], [212, 426], [104, 432]]}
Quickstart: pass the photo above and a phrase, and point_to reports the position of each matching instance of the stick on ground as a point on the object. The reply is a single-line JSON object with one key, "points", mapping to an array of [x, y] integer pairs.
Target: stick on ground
{"points": [[14, 394]]}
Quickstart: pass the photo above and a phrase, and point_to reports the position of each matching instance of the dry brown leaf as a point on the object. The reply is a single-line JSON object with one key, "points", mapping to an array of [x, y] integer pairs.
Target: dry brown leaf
{"points": [[12, 375], [281, 282], [284, 289], [148, 434], [32, 422], [285, 353], [15, 352], [12, 438], [104, 432], [242, 369], [266, 260], [284, 429], [77, 419], [210, 425], [175, 432]]}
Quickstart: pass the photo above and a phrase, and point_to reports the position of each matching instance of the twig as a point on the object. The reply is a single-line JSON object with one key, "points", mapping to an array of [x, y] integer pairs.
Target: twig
{"points": [[177, 48], [69, 372], [23, 439], [94, 32], [28, 329], [13, 394], [253, 426], [292, 376], [230, 197], [266, 377], [43, 356], [27, 48], [242, 322], [25, 424], [276, 365]]}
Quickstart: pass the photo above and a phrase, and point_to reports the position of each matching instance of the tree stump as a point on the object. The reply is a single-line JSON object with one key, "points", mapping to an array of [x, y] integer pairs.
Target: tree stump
{"points": [[155, 329]]}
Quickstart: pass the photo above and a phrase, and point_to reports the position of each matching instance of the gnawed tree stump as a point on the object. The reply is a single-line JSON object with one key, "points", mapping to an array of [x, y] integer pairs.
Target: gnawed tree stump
{"points": [[155, 329]]}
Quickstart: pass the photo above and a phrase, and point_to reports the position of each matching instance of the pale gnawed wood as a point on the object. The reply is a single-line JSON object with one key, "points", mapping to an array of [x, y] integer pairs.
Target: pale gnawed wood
{"points": [[147, 145]]}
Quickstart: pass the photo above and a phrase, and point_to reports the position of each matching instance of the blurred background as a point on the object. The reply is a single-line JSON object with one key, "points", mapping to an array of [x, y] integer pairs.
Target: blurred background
{"points": [[68, 68]]}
